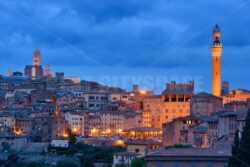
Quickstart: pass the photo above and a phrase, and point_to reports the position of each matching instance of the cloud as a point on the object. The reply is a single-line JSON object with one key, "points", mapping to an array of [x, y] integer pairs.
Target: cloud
{"points": [[131, 33]]}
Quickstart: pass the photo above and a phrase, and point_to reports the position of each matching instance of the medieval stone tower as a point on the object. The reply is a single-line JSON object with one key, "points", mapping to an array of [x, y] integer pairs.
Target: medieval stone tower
{"points": [[36, 58], [216, 62]]}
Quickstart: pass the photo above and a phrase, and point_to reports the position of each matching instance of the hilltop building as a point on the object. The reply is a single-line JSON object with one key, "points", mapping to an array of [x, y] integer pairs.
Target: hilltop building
{"points": [[236, 95], [225, 88], [176, 100], [205, 104], [34, 71], [216, 62]]}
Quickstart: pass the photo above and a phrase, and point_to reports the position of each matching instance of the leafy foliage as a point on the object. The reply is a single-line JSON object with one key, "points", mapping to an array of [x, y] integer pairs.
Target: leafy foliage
{"points": [[72, 139], [66, 163], [120, 165], [178, 146], [240, 150], [235, 150], [138, 162]]}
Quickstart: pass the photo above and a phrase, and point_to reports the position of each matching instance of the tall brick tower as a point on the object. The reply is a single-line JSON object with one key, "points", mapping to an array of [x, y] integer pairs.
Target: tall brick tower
{"points": [[34, 71], [36, 58], [216, 65]]}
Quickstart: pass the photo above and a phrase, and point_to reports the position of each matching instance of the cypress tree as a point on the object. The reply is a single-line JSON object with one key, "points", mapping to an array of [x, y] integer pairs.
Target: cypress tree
{"points": [[233, 161], [244, 149]]}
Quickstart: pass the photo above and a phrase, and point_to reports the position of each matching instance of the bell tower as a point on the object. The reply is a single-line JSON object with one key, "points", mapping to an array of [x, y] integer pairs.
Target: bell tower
{"points": [[216, 62], [36, 58]]}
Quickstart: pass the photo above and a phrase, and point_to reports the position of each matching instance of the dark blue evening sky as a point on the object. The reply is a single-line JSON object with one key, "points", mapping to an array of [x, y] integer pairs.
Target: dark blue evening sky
{"points": [[120, 42]]}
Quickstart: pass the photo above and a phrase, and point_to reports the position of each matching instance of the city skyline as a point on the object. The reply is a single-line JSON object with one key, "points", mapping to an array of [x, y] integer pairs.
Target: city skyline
{"points": [[150, 49], [124, 83]]}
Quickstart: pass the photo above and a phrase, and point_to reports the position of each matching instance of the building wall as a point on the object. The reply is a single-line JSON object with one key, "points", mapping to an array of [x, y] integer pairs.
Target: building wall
{"points": [[96, 101], [8, 121], [227, 125], [152, 109], [112, 123], [205, 104], [146, 119], [213, 132], [167, 134], [140, 149], [179, 131], [24, 126], [174, 110], [76, 123], [15, 143], [124, 159], [68, 99], [59, 127], [35, 72], [133, 120], [236, 95], [42, 128], [236, 105], [60, 143]]}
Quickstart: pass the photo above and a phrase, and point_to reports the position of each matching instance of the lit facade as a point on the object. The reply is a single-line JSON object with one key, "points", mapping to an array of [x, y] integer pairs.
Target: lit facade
{"points": [[76, 123], [236, 95], [216, 62], [152, 111], [34, 71], [205, 104], [176, 100]]}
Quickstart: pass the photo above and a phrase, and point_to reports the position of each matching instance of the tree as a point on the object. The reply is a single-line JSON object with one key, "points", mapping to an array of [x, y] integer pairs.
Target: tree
{"points": [[66, 163], [120, 165], [243, 151], [138, 162], [6, 146], [13, 158], [72, 139], [233, 161], [86, 162], [35, 164]]}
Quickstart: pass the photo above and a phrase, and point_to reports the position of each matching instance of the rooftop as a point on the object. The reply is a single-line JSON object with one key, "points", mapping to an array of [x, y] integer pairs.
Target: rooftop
{"points": [[142, 142], [191, 152], [144, 129], [127, 153], [179, 88]]}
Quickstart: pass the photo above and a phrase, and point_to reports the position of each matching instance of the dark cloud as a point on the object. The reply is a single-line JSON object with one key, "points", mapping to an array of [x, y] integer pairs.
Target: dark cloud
{"points": [[162, 34]]}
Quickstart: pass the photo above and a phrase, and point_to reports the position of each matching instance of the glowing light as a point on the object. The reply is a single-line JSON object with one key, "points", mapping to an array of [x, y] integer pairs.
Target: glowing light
{"points": [[93, 131], [143, 92], [65, 135], [120, 142], [17, 132], [74, 129], [108, 131]]}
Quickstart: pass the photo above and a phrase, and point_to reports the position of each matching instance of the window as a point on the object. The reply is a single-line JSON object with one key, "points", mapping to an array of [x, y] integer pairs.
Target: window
{"points": [[91, 97], [91, 105]]}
